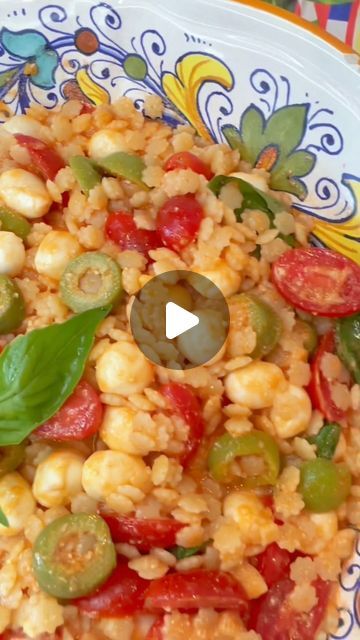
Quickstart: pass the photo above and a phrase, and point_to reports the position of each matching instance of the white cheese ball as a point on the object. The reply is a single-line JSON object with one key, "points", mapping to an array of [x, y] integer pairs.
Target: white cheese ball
{"points": [[256, 385], [291, 412], [27, 126], [117, 430], [123, 369], [55, 252], [17, 503], [12, 254], [106, 141], [25, 193], [58, 478]]}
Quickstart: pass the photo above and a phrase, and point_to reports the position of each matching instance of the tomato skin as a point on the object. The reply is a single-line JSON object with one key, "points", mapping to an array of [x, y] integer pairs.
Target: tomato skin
{"points": [[121, 229], [187, 160], [197, 589], [319, 281], [155, 632], [273, 564], [87, 108], [79, 418], [178, 221], [144, 534], [185, 404], [319, 388], [273, 619], [45, 159], [122, 594]]}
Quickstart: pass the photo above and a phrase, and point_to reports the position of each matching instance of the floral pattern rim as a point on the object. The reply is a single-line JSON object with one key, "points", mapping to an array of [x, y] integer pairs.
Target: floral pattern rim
{"points": [[287, 137], [273, 133]]}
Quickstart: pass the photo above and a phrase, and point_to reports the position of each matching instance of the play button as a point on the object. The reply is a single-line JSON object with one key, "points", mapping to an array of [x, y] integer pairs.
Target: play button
{"points": [[180, 320]]}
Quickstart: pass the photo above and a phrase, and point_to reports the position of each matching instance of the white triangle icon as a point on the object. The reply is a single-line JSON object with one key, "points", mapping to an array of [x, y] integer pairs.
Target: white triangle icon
{"points": [[178, 320]]}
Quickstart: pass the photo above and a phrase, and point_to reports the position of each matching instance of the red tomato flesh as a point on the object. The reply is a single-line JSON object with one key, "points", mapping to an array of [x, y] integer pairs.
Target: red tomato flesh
{"points": [[319, 388], [185, 404], [274, 619], [187, 160], [178, 221], [121, 229], [45, 159], [273, 563], [122, 594], [144, 534], [79, 418], [197, 590], [319, 281]]}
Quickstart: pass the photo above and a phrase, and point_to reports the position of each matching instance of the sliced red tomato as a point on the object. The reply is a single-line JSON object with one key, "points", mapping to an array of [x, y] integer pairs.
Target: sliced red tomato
{"points": [[197, 589], [274, 619], [87, 108], [144, 534], [121, 229], [319, 281], [319, 388], [155, 632], [273, 563], [122, 594], [187, 160], [79, 418], [45, 159], [178, 221], [185, 404]]}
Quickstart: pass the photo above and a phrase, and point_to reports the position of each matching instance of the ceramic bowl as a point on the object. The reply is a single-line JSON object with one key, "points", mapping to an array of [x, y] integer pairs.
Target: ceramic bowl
{"points": [[285, 93]]}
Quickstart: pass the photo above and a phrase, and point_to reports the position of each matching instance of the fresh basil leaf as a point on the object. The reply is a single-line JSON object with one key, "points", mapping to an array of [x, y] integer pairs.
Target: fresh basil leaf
{"points": [[252, 198], [181, 553], [326, 440], [3, 519], [39, 371]]}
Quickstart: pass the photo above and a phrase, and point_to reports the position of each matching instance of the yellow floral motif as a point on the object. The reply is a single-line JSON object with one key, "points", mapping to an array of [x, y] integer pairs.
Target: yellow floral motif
{"points": [[343, 237], [91, 89], [191, 73]]}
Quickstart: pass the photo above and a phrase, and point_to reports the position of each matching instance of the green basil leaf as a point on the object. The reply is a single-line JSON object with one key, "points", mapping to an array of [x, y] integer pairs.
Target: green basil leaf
{"points": [[182, 552], [348, 343], [326, 440], [3, 519], [252, 198], [40, 370]]}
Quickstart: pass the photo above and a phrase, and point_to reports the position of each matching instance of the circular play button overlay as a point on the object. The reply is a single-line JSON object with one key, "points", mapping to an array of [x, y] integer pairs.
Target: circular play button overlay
{"points": [[180, 320]]}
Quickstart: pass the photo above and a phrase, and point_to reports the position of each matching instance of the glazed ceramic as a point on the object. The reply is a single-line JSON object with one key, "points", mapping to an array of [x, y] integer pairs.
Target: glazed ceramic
{"points": [[269, 84]]}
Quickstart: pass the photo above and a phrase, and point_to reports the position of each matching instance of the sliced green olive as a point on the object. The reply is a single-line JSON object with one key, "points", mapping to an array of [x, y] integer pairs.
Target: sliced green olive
{"points": [[124, 165], [73, 556], [12, 305], [262, 318], [85, 173], [11, 458], [348, 343], [308, 334], [91, 280], [12, 221], [324, 485]]}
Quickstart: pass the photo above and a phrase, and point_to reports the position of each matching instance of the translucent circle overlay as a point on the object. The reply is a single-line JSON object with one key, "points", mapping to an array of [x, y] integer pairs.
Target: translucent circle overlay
{"points": [[200, 345]]}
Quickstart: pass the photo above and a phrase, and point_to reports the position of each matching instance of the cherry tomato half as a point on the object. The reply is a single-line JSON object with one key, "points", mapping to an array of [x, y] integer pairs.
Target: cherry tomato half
{"points": [[144, 534], [121, 229], [276, 620], [178, 221], [197, 589], [45, 159], [319, 281], [273, 564], [79, 418], [185, 404], [122, 594], [319, 388], [187, 160]]}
